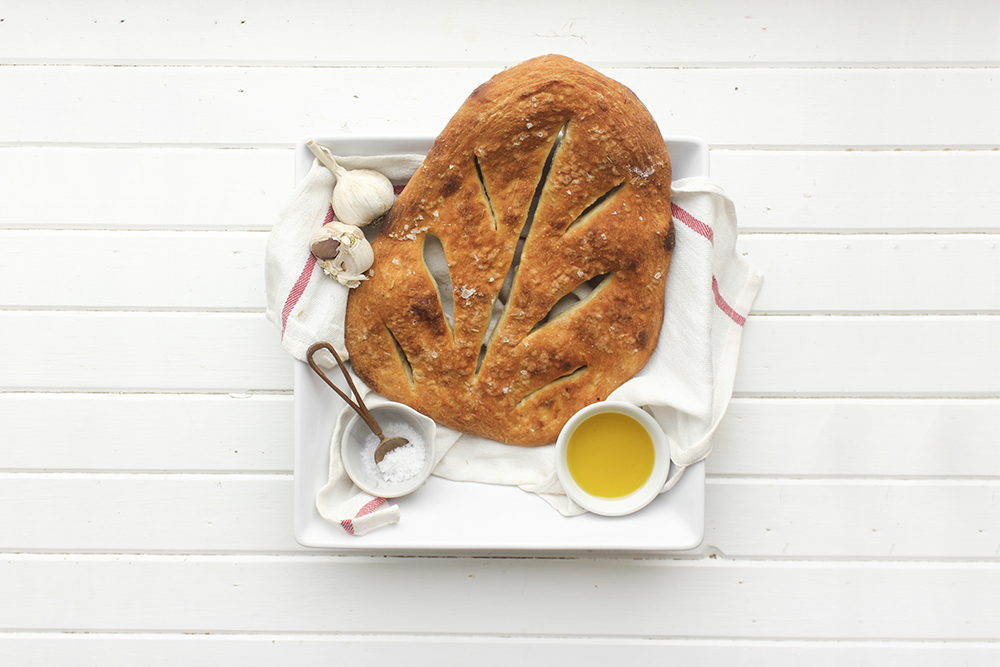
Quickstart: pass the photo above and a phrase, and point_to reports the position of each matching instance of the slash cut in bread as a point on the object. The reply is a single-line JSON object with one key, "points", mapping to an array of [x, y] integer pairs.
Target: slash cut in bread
{"points": [[520, 274]]}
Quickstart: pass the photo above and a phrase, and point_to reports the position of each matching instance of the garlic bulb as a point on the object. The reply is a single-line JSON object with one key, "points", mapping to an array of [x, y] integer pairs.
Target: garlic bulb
{"points": [[343, 252], [360, 196]]}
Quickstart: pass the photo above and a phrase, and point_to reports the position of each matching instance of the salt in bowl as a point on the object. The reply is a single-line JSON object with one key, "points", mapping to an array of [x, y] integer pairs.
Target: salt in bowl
{"points": [[357, 451]]}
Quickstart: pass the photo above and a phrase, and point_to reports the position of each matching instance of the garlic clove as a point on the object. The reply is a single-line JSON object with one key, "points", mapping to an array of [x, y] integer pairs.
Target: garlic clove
{"points": [[334, 231], [353, 254], [326, 249], [362, 196]]}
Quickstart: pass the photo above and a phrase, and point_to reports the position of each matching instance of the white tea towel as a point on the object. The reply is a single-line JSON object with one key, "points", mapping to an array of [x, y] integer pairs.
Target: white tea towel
{"points": [[686, 385]]}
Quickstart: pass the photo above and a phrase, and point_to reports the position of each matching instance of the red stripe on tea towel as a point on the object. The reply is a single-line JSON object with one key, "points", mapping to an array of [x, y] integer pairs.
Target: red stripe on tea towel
{"points": [[691, 221], [724, 306], [303, 281], [701, 228], [297, 289], [370, 507], [367, 508]]}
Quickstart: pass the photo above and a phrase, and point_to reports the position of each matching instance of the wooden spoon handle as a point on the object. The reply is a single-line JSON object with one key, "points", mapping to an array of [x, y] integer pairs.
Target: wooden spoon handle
{"points": [[358, 407]]}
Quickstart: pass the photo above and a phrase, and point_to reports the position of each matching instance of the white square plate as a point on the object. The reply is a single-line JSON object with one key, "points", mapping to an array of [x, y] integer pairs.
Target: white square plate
{"points": [[447, 516]]}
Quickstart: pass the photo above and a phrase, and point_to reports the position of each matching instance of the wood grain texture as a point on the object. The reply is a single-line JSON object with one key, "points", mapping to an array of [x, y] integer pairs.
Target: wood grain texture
{"points": [[142, 432], [858, 438], [894, 274], [770, 437], [763, 518], [168, 351], [144, 188], [244, 189], [862, 191], [271, 107], [153, 270], [627, 598], [688, 33], [278, 650], [220, 271], [909, 356]]}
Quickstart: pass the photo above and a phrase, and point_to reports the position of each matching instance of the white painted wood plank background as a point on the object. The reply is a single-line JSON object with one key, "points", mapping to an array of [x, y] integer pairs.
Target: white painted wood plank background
{"points": [[757, 33], [913, 356], [315, 649], [852, 502], [812, 273], [857, 191], [268, 107]]}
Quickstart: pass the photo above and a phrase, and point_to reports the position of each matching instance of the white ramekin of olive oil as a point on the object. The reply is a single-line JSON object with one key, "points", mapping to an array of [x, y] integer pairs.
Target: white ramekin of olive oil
{"points": [[612, 458]]}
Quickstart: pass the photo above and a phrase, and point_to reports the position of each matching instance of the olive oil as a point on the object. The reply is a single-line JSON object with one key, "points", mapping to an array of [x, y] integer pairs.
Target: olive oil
{"points": [[610, 455]]}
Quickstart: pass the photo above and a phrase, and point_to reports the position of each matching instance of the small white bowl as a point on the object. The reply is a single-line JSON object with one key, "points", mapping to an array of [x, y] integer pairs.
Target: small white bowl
{"points": [[620, 505], [388, 415]]}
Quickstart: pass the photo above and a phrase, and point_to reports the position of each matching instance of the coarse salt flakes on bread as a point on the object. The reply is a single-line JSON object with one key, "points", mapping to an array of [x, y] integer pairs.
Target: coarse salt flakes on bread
{"points": [[520, 274]]}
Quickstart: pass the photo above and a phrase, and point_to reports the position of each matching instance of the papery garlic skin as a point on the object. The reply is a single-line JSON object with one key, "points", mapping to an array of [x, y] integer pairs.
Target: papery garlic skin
{"points": [[361, 196], [354, 256]]}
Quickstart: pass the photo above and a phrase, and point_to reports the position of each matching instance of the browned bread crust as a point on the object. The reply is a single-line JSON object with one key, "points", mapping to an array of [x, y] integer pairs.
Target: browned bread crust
{"points": [[598, 160]]}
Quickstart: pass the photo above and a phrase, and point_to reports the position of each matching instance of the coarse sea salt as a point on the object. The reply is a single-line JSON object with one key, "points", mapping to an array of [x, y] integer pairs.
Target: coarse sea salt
{"points": [[399, 465]]}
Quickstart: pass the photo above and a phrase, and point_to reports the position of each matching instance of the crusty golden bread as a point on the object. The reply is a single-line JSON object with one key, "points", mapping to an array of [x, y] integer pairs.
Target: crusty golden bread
{"points": [[555, 150]]}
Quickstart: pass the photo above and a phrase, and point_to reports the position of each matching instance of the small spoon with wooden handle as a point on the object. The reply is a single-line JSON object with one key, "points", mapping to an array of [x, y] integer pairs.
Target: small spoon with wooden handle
{"points": [[385, 444]]}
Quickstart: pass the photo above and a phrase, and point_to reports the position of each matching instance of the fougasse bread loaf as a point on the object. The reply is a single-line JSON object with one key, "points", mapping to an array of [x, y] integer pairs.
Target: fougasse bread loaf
{"points": [[556, 154]]}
